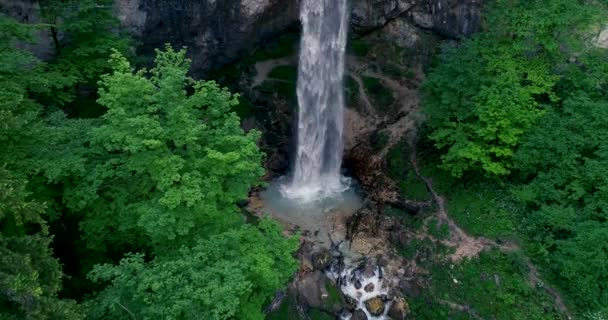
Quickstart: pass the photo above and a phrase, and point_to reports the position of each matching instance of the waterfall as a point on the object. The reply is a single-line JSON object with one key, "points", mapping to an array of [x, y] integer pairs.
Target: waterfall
{"points": [[320, 95]]}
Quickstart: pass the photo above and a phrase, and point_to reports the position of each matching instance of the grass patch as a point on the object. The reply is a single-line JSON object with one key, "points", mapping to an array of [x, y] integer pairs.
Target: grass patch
{"points": [[495, 286], [438, 230], [358, 47], [481, 207], [316, 314], [351, 93], [427, 308], [425, 251], [401, 171], [285, 73], [413, 222], [381, 95], [334, 295]]}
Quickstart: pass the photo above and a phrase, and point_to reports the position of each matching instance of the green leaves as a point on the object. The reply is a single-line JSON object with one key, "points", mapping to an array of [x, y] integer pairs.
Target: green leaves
{"points": [[164, 162], [229, 275], [528, 98], [492, 89]]}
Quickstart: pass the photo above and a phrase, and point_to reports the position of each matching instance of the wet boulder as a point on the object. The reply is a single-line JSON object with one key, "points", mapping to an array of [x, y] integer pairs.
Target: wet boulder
{"points": [[375, 306], [359, 315], [399, 309]]}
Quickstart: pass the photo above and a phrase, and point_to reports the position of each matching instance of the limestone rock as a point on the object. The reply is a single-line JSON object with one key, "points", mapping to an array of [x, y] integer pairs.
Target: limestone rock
{"points": [[602, 39]]}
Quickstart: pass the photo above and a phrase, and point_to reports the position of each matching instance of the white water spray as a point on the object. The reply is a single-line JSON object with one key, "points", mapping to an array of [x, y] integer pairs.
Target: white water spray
{"points": [[321, 102]]}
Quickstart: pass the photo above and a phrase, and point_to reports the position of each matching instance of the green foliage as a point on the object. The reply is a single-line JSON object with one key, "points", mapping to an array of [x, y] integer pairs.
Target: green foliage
{"points": [[438, 229], [494, 285], [30, 277], [161, 173], [164, 164], [351, 93], [566, 157], [89, 34], [381, 95], [286, 73], [401, 171], [492, 89], [358, 47], [528, 98], [286, 311], [227, 276], [379, 139]]}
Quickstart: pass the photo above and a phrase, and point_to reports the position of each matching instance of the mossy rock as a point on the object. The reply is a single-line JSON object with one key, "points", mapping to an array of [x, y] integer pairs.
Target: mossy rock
{"points": [[379, 139], [381, 96], [316, 314], [285, 73], [286, 311], [358, 47], [283, 89], [284, 46], [402, 172], [335, 299], [352, 94]]}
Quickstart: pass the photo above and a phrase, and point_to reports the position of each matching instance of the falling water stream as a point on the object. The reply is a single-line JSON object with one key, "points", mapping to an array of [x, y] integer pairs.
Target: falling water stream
{"points": [[320, 94], [316, 196]]}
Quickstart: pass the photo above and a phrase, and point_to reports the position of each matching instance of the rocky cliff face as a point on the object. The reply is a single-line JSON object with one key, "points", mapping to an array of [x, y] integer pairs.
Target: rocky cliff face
{"points": [[217, 32], [449, 18]]}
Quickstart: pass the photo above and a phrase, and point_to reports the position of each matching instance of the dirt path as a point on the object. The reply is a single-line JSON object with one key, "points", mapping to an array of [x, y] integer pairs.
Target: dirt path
{"points": [[468, 246]]}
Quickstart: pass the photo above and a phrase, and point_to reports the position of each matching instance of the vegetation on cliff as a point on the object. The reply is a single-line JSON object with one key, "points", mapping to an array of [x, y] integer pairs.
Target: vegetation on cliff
{"points": [[525, 103]]}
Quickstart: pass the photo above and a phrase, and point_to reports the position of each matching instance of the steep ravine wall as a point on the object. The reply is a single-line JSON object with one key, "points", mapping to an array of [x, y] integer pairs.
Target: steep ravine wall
{"points": [[219, 31]]}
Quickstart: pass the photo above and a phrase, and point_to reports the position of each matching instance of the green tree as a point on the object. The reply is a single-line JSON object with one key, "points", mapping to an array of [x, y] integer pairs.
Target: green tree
{"points": [[490, 90], [84, 32], [227, 276], [164, 164], [565, 157], [30, 277]]}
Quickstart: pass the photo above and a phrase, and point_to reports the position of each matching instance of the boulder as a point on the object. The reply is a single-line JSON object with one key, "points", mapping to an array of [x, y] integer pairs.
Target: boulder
{"points": [[310, 289], [399, 309], [359, 315], [358, 284], [375, 306], [369, 287], [409, 288], [351, 303]]}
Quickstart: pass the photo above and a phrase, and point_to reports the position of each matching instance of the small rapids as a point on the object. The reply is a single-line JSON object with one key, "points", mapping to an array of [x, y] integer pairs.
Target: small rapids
{"points": [[362, 281]]}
